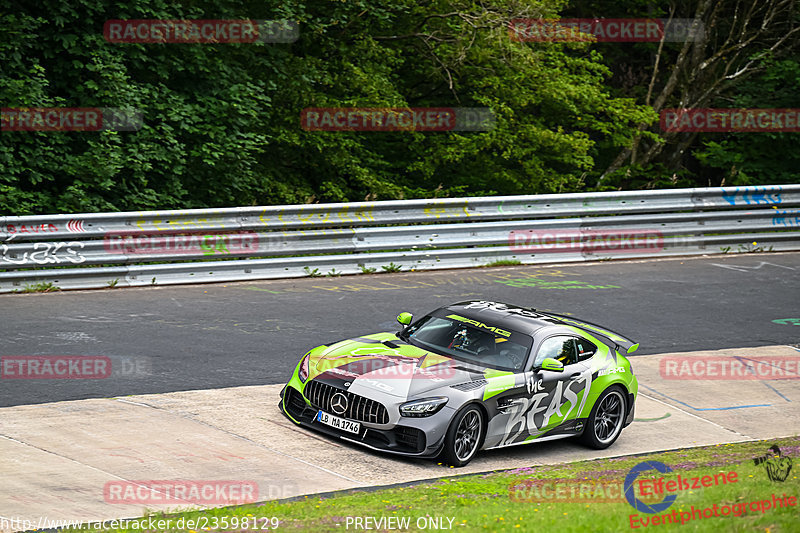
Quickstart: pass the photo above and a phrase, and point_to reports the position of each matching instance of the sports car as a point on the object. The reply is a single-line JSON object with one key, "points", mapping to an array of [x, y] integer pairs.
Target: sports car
{"points": [[469, 376]]}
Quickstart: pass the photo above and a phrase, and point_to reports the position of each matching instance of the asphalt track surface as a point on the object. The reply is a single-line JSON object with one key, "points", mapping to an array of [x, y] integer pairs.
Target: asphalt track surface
{"points": [[166, 339]]}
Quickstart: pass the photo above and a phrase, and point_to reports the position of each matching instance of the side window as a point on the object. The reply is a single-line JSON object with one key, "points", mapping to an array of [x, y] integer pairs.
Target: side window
{"points": [[561, 348], [585, 349]]}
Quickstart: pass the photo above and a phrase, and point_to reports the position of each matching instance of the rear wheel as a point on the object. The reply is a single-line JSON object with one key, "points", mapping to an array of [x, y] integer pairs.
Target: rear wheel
{"points": [[463, 436], [606, 420]]}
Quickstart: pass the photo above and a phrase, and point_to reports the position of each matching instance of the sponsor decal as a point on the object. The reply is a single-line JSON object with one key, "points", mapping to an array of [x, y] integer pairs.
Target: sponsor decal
{"points": [[480, 325], [529, 417], [503, 308], [608, 371]]}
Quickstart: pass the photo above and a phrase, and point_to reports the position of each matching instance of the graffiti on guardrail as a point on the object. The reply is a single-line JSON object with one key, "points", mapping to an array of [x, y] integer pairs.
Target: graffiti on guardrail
{"points": [[44, 253], [28, 228], [582, 241], [754, 196], [786, 218], [179, 223], [270, 217], [243, 242], [21, 230]]}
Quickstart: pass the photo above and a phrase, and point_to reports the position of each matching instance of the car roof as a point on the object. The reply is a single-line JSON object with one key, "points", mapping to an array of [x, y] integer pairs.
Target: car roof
{"points": [[521, 319], [530, 321]]}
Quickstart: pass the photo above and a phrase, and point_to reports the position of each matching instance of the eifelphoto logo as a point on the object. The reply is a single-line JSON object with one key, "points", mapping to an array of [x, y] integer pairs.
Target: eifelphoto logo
{"points": [[609, 30], [52, 119], [396, 119], [198, 492], [582, 241], [777, 466], [729, 368], [213, 31], [175, 243], [639, 504], [730, 120]]}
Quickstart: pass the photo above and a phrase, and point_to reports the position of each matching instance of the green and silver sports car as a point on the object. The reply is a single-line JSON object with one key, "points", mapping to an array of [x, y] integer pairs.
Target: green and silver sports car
{"points": [[473, 375]]}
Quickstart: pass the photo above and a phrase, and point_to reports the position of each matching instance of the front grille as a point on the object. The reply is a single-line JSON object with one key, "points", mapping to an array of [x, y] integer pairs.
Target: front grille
{"points": [[358, 407]]}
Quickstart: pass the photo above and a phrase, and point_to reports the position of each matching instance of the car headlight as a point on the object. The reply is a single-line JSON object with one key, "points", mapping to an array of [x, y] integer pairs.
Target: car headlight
{"points": [[425, 407], [302, 373]]}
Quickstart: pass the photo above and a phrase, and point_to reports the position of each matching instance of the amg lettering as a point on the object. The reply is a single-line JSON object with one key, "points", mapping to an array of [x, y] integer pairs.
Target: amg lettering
{"points": [[481, 325]]}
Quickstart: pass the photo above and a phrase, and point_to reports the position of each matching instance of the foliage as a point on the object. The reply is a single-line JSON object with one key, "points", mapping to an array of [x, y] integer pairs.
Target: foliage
{"points": [[221, 121]]}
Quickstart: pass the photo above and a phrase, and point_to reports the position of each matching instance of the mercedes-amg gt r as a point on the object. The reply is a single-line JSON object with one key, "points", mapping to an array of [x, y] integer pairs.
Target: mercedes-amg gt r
{"points": [[469, 376]]}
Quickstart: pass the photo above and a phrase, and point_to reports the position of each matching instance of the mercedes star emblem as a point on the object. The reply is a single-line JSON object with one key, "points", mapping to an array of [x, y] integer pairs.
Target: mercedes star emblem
{"points": [[339, 403]]}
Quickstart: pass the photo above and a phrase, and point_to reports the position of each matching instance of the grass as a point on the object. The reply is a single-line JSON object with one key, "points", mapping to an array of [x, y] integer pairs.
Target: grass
{"points": [[502, 262], [489, 502], [391, 267], [40, 287]]}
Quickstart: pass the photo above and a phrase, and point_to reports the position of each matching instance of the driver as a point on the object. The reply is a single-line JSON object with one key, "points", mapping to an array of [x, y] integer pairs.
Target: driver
{"points": [[472, 340]]}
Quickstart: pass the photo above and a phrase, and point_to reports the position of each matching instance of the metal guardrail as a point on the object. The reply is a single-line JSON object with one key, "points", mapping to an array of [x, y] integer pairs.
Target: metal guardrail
{"points": [[245, 243]]}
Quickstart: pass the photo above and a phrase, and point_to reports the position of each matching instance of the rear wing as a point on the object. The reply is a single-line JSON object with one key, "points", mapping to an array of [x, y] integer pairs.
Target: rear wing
{"points": [[621, 342]]}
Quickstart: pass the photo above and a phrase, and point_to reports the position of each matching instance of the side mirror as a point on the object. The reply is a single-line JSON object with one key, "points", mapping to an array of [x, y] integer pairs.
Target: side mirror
{"points": [[552, 365], [404, 318]]}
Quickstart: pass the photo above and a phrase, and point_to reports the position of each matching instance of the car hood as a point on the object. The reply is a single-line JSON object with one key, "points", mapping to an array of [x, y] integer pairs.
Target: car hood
{"points": [[366, 364]]}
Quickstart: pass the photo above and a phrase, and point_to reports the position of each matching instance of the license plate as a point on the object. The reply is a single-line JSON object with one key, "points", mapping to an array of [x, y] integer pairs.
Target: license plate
{"points": [[338, 423]]}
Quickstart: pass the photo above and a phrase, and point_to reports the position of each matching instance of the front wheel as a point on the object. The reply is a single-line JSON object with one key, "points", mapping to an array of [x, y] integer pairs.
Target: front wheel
{"points": [[606, 420], [463, 436]]}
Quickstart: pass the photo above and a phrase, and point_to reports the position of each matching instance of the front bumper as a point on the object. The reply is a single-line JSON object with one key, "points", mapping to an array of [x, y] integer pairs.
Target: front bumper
{"points": [[400, 438]]}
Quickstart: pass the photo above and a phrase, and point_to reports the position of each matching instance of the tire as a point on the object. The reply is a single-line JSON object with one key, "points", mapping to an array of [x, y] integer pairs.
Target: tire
{"points": [[606, 420], [464, 437]]}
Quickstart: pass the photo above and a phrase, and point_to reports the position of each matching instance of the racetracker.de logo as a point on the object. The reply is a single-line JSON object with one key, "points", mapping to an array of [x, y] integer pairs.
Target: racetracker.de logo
{"points": [[167, 243], [572, 491], [730, 120], [199, 492], [605, 30], [393, 119], [730, 368], [55, 366], [371, 367], [201, 31], [582, 241], [69, 119]]}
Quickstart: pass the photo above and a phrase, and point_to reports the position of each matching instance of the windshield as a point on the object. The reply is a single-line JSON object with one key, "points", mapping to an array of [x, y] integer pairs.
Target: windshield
{"points": [[470, 340]]}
